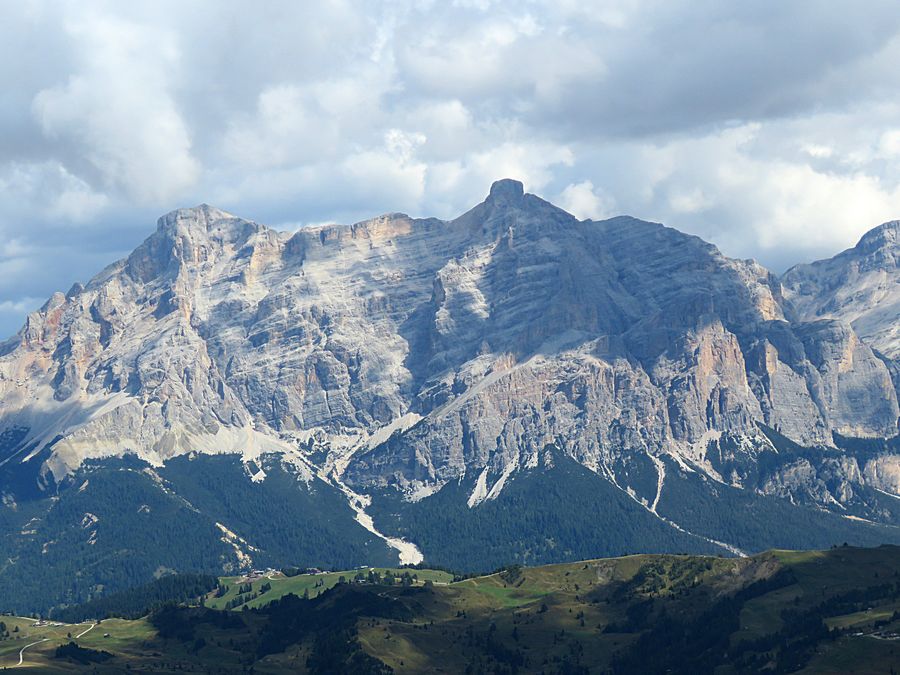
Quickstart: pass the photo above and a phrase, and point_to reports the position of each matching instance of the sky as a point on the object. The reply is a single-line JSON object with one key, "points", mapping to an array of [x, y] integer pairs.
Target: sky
{"points": [[769, 128]]}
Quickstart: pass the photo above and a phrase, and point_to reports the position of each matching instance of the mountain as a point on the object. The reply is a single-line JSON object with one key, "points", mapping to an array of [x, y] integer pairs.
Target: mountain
{"points": [[514, 384]]}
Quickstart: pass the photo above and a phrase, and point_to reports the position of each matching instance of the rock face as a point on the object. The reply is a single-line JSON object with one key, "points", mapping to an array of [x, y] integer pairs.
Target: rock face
{"points": [[403, 353], [860, 286]]}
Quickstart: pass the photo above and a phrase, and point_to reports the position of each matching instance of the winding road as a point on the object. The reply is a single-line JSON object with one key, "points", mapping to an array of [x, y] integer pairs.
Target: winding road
{"points": [[37, 642], [22, 651], [86, 631]]}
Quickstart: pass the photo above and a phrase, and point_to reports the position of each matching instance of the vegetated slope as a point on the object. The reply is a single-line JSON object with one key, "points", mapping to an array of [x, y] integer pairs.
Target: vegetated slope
{"points": [[134, 603], [566, 512], [121, 522], [828, 611], [237, 592], [639, 614]]}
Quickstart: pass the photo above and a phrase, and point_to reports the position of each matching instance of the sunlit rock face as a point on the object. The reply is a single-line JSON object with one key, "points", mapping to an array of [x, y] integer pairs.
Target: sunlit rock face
{"points": [[407, 352]]}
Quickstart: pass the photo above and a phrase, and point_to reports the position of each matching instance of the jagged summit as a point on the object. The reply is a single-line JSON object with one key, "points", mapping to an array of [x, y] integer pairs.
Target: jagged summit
{"points": [[188, 237], [508, 211], [201, 213], [206, 221]]}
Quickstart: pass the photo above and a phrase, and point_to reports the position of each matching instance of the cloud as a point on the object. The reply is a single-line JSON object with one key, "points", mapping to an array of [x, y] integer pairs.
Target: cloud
{"points": [[767, 128], [49, 188], [117, 114], [725, 186], [585, 201], [18, 307]]}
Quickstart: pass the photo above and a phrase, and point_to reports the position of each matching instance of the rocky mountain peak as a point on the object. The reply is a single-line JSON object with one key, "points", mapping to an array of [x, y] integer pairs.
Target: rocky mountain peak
{"points": [[509, 209], [885, 236], [515, 321], [506, 192], [205, 222], [189, 236], [860, 286]]}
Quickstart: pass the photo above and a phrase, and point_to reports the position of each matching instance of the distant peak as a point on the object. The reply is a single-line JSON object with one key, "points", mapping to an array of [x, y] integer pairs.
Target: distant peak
{"points": [[507, 191], [885, 235]]}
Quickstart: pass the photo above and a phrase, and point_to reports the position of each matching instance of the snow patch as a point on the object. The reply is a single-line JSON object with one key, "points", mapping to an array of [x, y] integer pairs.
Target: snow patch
{"points": [[501, 482], [423, 491], [660, 480]]}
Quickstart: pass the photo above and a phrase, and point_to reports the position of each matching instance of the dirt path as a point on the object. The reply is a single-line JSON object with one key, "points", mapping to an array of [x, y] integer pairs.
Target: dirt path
{"points": [[90, 628], [22, 651]]}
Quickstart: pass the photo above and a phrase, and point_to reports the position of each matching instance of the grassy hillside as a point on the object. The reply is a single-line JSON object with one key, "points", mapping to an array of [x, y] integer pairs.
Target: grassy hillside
{"points": [[306, 584], [781, 611]]}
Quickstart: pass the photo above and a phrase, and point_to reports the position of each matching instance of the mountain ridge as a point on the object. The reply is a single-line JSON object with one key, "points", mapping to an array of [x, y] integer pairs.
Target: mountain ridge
{"points": [[170, 267]]}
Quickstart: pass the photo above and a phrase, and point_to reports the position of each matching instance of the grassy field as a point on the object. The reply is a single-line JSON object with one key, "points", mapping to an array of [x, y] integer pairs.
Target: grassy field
{"points": [[859, 655], [313, 584], [863, 619], [557, 618], [125, 638]]}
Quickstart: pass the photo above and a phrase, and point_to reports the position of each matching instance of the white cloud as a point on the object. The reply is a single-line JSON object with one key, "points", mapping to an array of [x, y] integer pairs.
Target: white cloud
{"points": [[586, 201], [820, 211], [781, 209], [117, 111], [393, 169], [818, 151], [287, 128], [889, 145], [49, 189], [691, 201], [530, 162], [19, 307]]}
